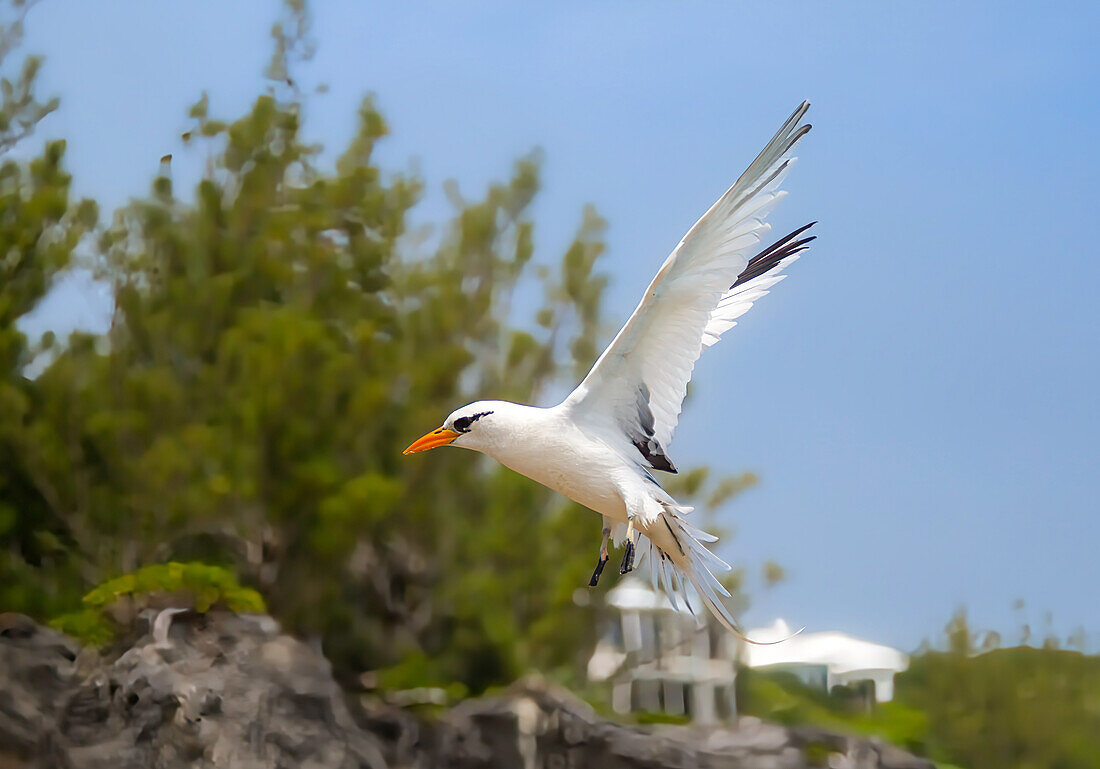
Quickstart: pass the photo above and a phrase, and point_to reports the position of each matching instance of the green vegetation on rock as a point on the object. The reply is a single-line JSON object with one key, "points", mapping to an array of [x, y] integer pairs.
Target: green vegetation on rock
{"points": [[195, 586]]}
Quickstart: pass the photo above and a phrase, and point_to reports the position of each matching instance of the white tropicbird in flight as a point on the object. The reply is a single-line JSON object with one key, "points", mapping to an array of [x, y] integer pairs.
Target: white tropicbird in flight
{"points": [[598, 446]]}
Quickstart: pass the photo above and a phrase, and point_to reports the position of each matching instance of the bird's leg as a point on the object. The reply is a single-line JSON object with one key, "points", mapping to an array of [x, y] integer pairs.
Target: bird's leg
{"points": [[603, 556], [627, 565]]}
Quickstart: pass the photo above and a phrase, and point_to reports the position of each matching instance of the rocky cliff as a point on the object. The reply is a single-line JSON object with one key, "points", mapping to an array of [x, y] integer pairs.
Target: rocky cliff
{"points": [[221, 690]]}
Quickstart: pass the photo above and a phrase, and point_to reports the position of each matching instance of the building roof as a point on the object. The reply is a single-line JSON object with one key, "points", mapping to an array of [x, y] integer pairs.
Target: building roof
{"points": [[839, 652], [632, 594]]}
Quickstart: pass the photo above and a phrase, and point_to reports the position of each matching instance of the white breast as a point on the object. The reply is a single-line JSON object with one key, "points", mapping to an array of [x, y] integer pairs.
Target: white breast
{"points": [[552, 450]]}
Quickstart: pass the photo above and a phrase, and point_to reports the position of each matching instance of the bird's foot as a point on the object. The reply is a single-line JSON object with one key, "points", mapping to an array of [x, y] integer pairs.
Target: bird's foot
{"points": [[603, 555], [599, 570], [627, 565]]}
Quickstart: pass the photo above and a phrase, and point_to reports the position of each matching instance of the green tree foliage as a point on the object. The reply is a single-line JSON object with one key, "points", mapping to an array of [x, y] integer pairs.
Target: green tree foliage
{"points": [[270, 356], [20, 109], [782, 697], [277, 339], [39, 230], [1034, 708]]}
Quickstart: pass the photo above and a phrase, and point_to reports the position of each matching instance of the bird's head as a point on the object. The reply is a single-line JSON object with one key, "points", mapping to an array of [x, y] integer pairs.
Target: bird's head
{"points": [[474, 426]]}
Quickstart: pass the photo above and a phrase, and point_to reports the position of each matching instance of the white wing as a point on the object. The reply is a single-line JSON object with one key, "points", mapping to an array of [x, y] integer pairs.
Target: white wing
{"points": [[637, 386]]}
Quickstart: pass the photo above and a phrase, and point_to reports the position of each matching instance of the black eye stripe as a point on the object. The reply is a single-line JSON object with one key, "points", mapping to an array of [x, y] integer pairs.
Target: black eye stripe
{"points": [[462, 424]]}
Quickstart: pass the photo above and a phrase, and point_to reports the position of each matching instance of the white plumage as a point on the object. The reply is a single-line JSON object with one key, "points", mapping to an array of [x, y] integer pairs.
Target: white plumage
{"points": [[599, 445]]}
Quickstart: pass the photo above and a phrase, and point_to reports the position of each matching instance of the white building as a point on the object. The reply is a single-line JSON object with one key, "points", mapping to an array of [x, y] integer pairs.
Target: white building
{"points": [[659, 659], [826, 660]]}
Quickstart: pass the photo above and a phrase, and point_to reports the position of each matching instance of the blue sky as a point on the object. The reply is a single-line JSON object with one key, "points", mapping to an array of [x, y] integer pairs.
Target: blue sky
{"points": [[919, 397]]}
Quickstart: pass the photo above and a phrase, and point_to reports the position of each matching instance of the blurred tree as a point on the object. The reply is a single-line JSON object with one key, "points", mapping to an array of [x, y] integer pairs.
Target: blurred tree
{"points": [[1019, 707], [277, 339], [773, 574], [39, 230], [270, 356], [20, 110]]}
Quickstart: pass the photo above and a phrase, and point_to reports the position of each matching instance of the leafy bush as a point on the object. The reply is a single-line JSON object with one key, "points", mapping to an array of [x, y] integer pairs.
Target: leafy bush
{"points": [[190, 585], [783, 698], [202, 585], [1019, 706]]}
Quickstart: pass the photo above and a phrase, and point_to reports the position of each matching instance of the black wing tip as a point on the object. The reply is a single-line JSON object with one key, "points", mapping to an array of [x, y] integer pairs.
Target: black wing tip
{"points": [[771, 256]]}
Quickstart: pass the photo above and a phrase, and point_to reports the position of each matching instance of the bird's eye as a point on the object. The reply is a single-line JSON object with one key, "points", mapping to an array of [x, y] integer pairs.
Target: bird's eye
{"points": [[462, 424]]}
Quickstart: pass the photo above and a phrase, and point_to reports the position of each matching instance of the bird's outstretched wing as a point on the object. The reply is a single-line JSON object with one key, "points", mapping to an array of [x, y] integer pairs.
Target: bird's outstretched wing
{"points": [[637, 386]]}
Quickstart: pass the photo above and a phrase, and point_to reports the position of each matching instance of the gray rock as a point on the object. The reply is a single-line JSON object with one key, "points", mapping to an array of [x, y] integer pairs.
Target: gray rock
{"points": [[221, 690], [536, 724], [37, 666]]}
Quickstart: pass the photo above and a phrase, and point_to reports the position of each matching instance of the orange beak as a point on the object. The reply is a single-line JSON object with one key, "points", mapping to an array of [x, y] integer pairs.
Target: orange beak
{"points": [[434, 439]]}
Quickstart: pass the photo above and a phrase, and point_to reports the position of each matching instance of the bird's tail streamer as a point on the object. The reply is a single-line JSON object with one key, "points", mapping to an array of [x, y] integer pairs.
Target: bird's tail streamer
{"points": [[678, 555]]}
